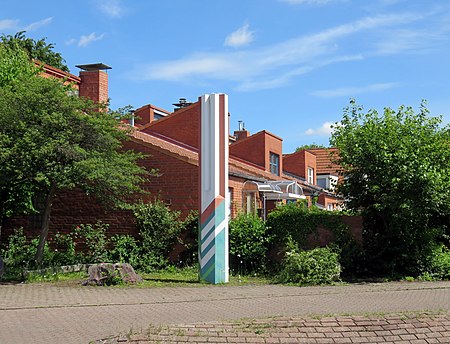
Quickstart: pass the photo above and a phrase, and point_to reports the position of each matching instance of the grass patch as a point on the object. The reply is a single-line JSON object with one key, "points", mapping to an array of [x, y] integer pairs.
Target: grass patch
{"points": [[57, 277], [181, 277], [170, 277]]}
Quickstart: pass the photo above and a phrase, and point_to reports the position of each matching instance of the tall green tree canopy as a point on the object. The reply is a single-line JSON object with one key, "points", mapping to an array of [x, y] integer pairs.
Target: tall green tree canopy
{"points": [[397, 171], [51, 140], [39, 50], [309, 146]]}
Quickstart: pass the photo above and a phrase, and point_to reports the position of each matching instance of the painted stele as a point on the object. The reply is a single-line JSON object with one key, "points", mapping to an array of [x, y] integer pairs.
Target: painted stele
{"points": [[213, 231]]}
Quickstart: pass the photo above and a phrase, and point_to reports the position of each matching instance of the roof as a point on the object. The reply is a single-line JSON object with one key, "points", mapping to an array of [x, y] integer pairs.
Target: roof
{"points": [[253, 136], [57, 73], [190, 154], [324, 165], [237, 167]]}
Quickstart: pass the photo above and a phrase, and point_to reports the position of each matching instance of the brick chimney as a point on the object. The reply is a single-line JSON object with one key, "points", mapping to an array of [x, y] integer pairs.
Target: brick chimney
{"points": [[94, 82], [242, 133]]}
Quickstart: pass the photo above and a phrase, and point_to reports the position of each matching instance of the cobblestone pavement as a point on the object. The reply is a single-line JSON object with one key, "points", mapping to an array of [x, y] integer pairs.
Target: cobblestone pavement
{"points": [[405, 328], [33, 313]]}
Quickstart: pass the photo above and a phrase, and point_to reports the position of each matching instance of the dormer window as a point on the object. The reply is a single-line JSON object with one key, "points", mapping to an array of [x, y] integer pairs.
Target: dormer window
{"points": [[274, 163], [327, 181]]}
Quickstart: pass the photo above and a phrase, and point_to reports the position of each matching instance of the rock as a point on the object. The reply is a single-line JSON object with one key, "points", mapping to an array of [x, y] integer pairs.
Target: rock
{"points": [[110, 274]]}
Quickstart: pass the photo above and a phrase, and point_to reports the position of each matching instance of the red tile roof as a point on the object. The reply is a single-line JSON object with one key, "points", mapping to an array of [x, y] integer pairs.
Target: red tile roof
{"points": [[190, 155], [324, 164]]}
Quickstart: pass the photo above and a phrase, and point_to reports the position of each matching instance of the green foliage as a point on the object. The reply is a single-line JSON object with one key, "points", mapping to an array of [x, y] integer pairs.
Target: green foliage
{"points": [[64, 142], [64, 252], [159, 229], [95, 240], [125, 250], [309, 146], [189, 239], [248, 244], [317, 266], [396, 170], [19, 254], [439, 264], [293, 223], [39, 50], [14, 63]]}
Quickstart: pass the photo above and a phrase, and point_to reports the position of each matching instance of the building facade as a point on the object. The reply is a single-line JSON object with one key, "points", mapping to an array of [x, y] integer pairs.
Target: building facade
{"points": [[260, 176]]}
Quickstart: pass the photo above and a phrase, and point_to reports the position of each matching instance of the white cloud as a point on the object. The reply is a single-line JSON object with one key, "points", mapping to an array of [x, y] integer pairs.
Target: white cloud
{"points": [[85, 40], [324, 130], [283, 79], [399, 41], [352, 91], [112, 8], [9, 24], [14, 24], [240, 37], [274, 65], [38, 24], [311, 2], [71, 41]]}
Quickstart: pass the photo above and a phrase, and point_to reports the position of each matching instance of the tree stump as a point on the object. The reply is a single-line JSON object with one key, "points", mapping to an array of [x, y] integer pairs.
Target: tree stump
{"points": [[111, 274]]}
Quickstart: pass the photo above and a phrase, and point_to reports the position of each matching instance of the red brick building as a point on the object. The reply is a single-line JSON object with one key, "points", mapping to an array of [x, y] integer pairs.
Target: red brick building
{"points": [[259, 174]]}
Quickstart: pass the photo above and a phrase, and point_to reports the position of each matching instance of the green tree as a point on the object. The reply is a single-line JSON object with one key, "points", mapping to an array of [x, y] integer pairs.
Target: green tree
{"points": [[39, 50], [51, 140], [397, 171], [309, 146], [15, 195]]}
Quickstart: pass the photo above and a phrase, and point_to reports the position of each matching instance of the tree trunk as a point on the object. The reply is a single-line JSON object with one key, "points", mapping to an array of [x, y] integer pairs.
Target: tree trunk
{"points": [[45, 224]]}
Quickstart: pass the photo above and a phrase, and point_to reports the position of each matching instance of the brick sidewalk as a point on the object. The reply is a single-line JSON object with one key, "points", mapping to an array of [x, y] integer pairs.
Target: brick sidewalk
{"points": [[408, 328], [33, 313]]}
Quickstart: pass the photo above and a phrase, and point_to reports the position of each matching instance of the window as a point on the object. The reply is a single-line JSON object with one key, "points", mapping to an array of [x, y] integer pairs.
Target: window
{"points": [[322, 182], [250, 203], [327, 181], [274, 163], [310, 175]]}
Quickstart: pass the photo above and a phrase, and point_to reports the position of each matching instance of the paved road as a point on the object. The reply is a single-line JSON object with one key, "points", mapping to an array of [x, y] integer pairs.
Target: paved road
{"points": [[33, 313]]}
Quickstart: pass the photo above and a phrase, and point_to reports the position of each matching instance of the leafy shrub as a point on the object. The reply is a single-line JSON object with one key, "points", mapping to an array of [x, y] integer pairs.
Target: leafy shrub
{"points": [[159, 229], [64, 252], [19, 254], [189, 239], [294, 222], [439, 267], [94, 237], [317, 266], [248, 244], [125, 250]]}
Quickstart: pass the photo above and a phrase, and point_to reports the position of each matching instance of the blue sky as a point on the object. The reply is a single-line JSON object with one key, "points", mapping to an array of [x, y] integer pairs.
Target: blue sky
{"points": [[288, 66]]}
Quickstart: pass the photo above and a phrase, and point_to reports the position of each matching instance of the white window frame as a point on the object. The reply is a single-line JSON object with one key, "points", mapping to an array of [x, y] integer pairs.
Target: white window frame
{"points": [[310, 178]]}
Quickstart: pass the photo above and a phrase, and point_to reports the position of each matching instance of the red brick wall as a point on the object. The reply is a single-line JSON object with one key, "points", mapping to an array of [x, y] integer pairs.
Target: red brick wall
{"points": [[256, 149], [94, 85], [71, 208], [325, 200], [298, 163], [176, 182], [236, 198], [323, 236], [182, 125], [273, 144], [144, 115]]}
